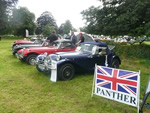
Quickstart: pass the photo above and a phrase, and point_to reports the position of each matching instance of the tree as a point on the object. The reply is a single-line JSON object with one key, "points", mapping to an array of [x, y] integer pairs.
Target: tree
{"points": [[91, 16], [60, 30], [45, 18], [5, 8], [119, 17], [47, 30], [23, 19], [67, 27]]}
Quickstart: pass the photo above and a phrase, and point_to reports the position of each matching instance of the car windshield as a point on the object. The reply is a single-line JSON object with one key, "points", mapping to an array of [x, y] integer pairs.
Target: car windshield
{"points": [[55, 44], [86, 47], [45, 44]]}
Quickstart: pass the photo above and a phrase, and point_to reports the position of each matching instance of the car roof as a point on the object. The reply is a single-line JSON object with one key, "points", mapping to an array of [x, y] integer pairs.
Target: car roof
{"points": [[101, 44]]}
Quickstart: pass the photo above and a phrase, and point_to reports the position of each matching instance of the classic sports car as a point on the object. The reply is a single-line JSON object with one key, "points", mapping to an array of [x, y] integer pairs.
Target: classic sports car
{"points": [[22, 42], [29, 54], [21, 46], [84, 57], [18, 42]]}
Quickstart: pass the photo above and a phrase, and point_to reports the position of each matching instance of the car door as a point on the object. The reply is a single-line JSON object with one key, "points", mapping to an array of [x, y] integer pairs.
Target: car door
{"points": [[91, 60]]}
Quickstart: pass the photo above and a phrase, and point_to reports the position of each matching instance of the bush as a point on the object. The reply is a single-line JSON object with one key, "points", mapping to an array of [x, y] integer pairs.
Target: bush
{"points": [[133, 51]]}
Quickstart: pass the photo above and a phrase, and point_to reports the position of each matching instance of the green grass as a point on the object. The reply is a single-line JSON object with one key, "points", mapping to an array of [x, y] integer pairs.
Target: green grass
{"points": [[25, 90]]}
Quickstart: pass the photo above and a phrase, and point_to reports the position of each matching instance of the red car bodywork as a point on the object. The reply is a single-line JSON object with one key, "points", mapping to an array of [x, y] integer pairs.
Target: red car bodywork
{"points": [[41, 50], [62, 46], [22, 42]]}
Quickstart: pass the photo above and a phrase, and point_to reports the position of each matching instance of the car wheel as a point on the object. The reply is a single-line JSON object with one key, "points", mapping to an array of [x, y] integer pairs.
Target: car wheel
{"points": [[66, 72], [37, 67], [115, 63], [31, 59], [14, 53]]}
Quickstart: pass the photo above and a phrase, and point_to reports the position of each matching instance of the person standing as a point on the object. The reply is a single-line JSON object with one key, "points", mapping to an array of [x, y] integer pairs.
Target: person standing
{"points": [[52, 38], [73, 38], [81, 39]]}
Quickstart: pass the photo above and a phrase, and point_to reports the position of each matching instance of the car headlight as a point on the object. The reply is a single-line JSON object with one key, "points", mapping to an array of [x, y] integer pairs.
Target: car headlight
{"points": [[57, 57], [23, 51], [47, 60], [28, 50], [45, 54]]}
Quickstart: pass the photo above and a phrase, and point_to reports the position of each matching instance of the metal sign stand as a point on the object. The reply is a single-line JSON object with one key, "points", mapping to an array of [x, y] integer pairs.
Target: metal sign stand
{"points": [[147, 92]]}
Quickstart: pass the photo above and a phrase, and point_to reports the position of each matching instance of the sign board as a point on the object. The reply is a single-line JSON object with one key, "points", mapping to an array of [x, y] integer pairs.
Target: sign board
{"points": [[53, 71], [116, 84]]}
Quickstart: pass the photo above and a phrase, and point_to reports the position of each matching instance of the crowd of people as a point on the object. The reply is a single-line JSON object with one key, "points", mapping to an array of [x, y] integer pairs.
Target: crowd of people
{"points": [[72, 37]]}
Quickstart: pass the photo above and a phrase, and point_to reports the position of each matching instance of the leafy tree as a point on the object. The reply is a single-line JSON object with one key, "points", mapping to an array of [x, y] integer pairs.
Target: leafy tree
{"points": [[91, 16], [67, 27], [119, 17], [23, 19], [60, 30], [5, 8], [45, 18], [47, 30]]}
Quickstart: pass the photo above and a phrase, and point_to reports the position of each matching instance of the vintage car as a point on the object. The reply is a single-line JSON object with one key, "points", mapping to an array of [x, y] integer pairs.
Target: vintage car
{"points": [[29, 54], [35, 41], [84, 57], [22, 42], [21, 46]]}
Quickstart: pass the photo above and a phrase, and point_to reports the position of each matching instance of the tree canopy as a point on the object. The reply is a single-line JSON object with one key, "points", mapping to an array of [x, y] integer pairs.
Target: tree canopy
{"points": [[45, 18], [47, 30], [119, 17], [5, 7], [22, 19], [66, 27]]}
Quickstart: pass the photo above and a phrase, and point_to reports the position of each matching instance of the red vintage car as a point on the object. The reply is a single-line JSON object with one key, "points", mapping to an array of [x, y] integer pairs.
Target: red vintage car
{"points": [[18, 42], [29, 54]]}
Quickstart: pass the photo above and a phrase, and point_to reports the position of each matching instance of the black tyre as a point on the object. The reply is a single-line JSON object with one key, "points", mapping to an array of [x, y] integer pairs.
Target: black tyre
{"points": [[37, 67], [66, 72], [14, 53], [31, 59], [115, 63]]}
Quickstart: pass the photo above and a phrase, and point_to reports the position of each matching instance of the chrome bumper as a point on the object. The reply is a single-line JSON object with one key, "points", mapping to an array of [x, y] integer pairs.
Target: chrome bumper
{"points": [[19, 56]]}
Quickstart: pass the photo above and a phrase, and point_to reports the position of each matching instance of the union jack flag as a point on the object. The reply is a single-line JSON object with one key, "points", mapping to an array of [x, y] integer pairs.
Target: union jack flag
{"points": [[117, 80]]}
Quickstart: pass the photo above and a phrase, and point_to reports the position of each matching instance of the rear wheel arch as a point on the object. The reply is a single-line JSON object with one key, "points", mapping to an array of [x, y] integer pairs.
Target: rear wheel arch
{"points": [[116, 57], [115, 63], [30, 59]]}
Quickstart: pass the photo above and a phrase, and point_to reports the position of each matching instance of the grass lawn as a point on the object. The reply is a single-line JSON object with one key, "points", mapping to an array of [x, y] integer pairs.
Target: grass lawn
{"points": [[25, 90]]}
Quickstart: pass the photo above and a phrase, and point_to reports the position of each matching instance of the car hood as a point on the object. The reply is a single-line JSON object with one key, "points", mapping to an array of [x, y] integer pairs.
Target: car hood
{"points": [[23, 41], [28, 45], [73, 54]]}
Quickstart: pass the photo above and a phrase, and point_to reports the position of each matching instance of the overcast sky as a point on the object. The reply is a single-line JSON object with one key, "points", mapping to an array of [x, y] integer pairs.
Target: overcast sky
{"points": [[62, 10]]}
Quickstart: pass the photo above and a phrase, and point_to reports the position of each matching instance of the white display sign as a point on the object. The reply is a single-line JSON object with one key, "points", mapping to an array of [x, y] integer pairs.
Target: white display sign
{"points": [[116, 84]]}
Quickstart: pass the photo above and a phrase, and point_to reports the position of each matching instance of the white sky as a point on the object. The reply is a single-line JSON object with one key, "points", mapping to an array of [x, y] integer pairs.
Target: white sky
{"points": [[62, 10]]}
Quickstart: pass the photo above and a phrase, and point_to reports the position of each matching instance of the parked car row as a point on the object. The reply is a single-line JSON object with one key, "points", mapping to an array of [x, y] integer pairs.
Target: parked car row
{"points": [[65, 59]]}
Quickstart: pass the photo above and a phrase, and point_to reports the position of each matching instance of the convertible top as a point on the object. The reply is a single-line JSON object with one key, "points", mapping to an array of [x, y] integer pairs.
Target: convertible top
{"points": [[101, 44]]}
